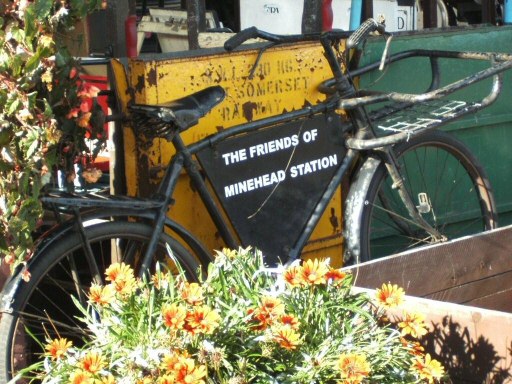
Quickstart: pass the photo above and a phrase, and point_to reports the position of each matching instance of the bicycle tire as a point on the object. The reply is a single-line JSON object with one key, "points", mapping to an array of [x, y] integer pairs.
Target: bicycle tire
{"points": [[457, 197], [51, 280]]}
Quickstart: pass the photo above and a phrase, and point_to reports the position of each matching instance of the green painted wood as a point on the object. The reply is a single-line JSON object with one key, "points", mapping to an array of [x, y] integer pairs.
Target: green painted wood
{"points": [[488, 133]]}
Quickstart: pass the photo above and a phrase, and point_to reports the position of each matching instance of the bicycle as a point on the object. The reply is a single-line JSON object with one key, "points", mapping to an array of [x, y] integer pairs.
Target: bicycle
{"points": [[381, 203]]}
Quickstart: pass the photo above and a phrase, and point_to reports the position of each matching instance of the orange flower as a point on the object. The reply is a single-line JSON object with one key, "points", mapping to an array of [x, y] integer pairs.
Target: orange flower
{"points": [[428, 369], [265, 315], [202, 319], [26, 275], [85, 107], [192, 293], [83, 120], [88, 91], [171, 362], [73, 113], [166, 379], [122, 278], [101, 295], [73, 72], [108, 380], [174, 316], [286, 337], [335, 275], [81, 377], [390, 296], [353, 368], [92, 362], [159, 280], [292, 276], [413, 324], [289, 321], [272, 306], [57, 348], [189, 373], [415, 347], [181, 369], [314, 271]]}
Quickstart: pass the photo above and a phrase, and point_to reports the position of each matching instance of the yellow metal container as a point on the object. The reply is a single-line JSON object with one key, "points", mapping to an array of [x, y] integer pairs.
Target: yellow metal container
{"points": [[284, 78]]}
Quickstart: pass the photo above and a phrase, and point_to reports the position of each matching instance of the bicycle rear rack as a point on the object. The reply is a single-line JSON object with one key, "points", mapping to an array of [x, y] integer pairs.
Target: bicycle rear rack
{"points": [[65, 200], [412, 118]]}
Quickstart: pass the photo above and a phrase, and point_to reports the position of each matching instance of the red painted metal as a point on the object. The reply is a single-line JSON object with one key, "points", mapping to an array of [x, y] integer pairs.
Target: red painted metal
{"points": [[130, 28], [327, 16]]}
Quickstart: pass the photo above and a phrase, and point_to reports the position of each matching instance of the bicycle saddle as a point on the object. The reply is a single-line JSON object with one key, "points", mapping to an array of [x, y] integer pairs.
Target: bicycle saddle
{"points": [[183, 113]]}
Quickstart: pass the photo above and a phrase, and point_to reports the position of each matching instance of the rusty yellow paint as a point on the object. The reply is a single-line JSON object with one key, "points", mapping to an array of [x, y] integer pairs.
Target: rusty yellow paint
{"points": [[285, 78]]}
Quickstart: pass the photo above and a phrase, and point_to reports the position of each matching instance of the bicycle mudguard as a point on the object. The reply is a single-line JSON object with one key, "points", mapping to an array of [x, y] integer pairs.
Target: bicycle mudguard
{"points": [[353, 210], [8, 294]]}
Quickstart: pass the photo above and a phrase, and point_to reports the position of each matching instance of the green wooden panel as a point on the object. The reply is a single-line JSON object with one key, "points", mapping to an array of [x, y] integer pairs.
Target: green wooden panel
{"points": [[488, 133]]}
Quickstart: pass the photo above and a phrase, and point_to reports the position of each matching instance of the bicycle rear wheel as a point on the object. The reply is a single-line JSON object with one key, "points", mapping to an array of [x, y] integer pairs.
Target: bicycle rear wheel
{"points": [[446, 182], [43, 306]]}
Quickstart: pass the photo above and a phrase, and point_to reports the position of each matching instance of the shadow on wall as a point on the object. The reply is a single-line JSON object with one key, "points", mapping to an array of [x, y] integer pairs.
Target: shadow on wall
{"points": [[467, 360]]}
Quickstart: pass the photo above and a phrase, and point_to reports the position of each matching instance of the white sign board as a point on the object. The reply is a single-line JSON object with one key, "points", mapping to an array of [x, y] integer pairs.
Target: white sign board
{"points": [[285, 16]]}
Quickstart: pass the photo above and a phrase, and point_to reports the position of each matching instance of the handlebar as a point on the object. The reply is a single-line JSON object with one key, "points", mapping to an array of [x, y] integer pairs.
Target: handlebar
{"points": [[362, 32]]}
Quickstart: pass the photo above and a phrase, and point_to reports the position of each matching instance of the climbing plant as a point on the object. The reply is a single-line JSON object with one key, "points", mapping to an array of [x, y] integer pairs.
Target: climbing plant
{"points": [[46, 116]]}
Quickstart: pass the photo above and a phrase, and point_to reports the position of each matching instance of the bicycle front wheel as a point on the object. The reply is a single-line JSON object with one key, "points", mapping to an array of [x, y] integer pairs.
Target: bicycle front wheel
{"points": [[447, 184], [43, 306]]}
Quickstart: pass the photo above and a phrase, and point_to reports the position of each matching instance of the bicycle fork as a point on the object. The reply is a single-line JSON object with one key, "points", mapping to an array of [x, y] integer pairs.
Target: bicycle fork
{"points": [[414, 211]]}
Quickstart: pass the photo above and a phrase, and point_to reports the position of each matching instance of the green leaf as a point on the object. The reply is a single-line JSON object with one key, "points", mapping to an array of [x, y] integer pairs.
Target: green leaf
{"points": [[30, 24], [13, 106], [5, 133], [42, 8], [16, 65], [62, 58], [33, 62], [48, 112]]}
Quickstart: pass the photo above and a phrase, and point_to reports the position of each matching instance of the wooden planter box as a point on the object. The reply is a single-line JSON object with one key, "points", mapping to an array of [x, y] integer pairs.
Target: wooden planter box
{"points": [[464, 288]]}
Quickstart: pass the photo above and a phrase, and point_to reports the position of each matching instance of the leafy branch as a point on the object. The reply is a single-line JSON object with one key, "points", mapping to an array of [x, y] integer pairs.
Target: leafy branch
{"points": [[44, 117]]}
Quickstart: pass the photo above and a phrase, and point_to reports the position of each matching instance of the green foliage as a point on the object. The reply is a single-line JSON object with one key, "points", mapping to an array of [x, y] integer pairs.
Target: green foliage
{"points": [[37, 95], [244, 323]]}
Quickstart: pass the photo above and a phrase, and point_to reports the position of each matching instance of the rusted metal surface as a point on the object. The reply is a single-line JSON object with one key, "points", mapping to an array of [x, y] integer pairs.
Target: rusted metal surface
{"points": [[285, 79], [196, 21]]}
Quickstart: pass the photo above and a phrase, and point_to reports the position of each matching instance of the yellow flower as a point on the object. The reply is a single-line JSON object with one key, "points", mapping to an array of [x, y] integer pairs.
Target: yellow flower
{"points": [[314, 271], [101, 295], [202, 320], [192, 293], [353, 367], [174, 316], [80, 377], [428, 369], [389, 295], [286, 337], [413, 324], [57, 348], [92, 362]]}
